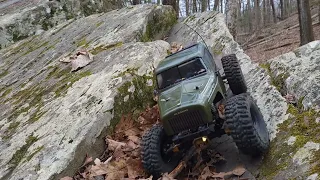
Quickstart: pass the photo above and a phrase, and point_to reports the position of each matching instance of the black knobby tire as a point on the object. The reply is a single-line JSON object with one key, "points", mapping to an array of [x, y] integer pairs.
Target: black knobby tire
{"points": [[234, 74], [152, 156], [246, 125]]}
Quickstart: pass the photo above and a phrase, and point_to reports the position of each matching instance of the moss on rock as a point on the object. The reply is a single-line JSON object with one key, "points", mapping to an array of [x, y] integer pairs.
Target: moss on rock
{"points": [[277, 81], [19, 155], [101, 48], [301, 125], [158, 24], [138, 100]]}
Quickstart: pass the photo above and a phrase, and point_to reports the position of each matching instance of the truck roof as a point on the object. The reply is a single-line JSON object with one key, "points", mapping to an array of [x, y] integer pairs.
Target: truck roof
{"points": [[180, 57]]}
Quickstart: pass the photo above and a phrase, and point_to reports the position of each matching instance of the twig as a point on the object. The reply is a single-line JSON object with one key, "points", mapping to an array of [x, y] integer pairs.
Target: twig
{"points": [[183, 163]]}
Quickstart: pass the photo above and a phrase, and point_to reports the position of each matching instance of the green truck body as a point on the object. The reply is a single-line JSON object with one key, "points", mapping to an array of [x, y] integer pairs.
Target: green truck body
{"points": [[187, 102]]}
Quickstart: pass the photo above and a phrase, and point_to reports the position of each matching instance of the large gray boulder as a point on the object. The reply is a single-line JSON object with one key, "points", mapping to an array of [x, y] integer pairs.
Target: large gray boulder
{"points": [[51, 117], [20, 19], [301, 71], [294, 130]]}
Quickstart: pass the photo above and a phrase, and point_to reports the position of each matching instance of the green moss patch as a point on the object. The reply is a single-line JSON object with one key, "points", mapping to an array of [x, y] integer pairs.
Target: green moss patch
{"points": [[20, 154], [99, 24], [158, 24], [33, 47], [137, 102], [32, 97], [11, 130], [37, 150], [277, 81], [101, 48], [301, 125], [82, 42], [5, 93], [4, 73]]}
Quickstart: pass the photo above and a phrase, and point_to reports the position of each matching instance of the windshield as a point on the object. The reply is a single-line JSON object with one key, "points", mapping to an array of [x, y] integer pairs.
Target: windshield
{"points": [[181, 72]]}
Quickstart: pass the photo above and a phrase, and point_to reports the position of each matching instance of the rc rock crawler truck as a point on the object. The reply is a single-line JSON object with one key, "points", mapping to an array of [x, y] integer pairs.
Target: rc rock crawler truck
{"points": [[193, 103]]}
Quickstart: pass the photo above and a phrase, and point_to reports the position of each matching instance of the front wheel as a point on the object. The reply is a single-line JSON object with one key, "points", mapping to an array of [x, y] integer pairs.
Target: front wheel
{"points": [[155, 159], [246, 125], [234, 74]]}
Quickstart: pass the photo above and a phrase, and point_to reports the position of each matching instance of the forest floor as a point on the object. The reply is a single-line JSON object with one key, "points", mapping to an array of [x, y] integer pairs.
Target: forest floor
{"points": [[279, 38]]}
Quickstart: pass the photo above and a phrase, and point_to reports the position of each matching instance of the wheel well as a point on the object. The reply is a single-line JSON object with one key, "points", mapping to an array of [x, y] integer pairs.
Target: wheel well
{"points": [[217, 98]]}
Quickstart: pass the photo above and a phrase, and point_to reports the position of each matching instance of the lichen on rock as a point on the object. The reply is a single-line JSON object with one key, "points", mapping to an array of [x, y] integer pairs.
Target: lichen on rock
{"points": [[67, 111]]}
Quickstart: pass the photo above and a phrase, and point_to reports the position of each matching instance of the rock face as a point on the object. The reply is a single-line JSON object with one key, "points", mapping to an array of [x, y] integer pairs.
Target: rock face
{"points": [[50, 115], [23, 19], [301, 71], [297, 73], [294, 130]]}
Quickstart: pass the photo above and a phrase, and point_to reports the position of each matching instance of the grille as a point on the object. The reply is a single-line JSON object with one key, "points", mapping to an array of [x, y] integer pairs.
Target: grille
{"points": [[186, 120]]}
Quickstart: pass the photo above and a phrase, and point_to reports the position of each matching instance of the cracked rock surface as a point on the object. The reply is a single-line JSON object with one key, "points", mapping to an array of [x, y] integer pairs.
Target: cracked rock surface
{"points": [[51, 116]]}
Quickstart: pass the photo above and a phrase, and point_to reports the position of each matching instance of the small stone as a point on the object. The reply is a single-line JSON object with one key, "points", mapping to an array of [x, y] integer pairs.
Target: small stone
{"points": [[149, 82], [131, 89], [313, 176], [305, 154], [318, 120], [291, 140], [126, 98]]}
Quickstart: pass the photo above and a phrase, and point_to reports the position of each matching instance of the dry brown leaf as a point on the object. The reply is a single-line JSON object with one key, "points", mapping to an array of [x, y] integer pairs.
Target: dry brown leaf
{"points": [[205, 173], [82, 59], [166, 176], [116, 170], [66, 178], [87, 160], [135, 168], [131, 145], [134, 131], [113, 145], [134, 139], [239, 171]]}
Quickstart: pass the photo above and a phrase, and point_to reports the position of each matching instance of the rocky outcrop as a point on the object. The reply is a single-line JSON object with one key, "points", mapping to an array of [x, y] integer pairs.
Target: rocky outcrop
{"points": [[300, 72], [51, 116], [294, 128], [21, 20], [297, 74]]}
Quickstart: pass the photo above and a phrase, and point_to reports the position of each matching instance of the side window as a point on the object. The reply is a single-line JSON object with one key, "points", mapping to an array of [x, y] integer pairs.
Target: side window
{"points": [[208, 58]]}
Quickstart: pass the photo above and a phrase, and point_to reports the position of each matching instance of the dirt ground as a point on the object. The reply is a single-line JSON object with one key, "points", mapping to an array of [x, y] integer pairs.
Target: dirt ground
{"points": [[281, 38]]}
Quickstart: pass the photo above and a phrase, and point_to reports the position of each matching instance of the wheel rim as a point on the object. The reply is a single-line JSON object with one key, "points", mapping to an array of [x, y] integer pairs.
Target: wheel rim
{"points": [[258, 123]]}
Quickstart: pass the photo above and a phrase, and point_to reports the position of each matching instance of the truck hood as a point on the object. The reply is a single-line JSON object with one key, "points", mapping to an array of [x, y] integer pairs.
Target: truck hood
{"points": [[188, 91]]}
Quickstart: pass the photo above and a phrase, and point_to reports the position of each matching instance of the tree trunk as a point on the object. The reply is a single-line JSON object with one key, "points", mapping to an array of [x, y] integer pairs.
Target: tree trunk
{"points": [[158, 2], [135, 2], [216, 5], [262, 13], [177, 8], [187, 7], [319, 12], [257, 15], [203, 5], [194, 7], [281, 10], [221, 4], [173, 3], [208, 4], [231, 11], [249, 15], [306, 33], [273, 11]]}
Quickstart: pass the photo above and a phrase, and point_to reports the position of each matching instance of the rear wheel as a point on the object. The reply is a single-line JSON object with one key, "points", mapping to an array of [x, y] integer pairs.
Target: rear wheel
{"points": [[155, 159], [234, 74], [246, 125]]}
